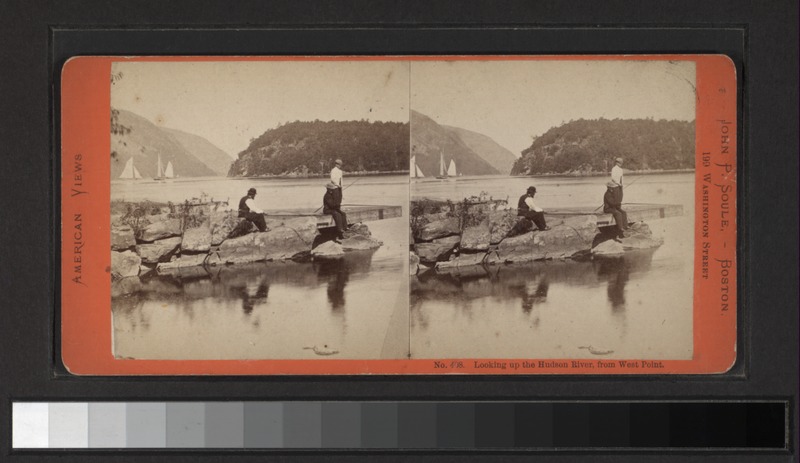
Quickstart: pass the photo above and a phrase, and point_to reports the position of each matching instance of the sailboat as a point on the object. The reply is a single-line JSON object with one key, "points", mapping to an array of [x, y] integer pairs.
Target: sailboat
{"points": [[451, 170], [161, 173], [130, 172], [416, 172], [168, 172], [442, 168]]}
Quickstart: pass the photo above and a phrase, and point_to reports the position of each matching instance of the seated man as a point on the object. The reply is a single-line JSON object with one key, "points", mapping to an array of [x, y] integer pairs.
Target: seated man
{"points": [[249, 211], [612, 204], [528, 209], [332, 204]]}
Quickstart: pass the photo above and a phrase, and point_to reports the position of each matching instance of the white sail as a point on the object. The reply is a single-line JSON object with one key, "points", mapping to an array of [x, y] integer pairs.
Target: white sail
{"points": [[130, 171], [442, 171], [127, 172], [451, 171], [412, 166], [159, 170], [418, 172], [168, 173]]}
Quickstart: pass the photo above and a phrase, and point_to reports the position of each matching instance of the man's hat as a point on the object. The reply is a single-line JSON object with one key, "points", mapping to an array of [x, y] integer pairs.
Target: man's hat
{"points": [[251, 191], [331, 186], [611, 185], [619, 160], [531, 189], [338, 162]]}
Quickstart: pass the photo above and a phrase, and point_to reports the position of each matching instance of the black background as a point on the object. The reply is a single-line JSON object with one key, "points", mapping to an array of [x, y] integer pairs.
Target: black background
{"points": [[36, 37]]}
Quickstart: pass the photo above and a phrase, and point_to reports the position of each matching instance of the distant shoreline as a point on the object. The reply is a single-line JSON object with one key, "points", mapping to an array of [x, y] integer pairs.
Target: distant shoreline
{"points": [[346, 172], [603, 174]]}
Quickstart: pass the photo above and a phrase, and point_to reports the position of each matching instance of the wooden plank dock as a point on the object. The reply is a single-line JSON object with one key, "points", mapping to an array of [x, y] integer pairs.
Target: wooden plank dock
{"points": [[355, 213], [636, 213]]}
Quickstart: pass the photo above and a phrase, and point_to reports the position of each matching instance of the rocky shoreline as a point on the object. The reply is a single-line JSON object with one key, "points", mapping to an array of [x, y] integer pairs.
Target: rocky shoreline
{"points": [[155, 237], [446, 236]]}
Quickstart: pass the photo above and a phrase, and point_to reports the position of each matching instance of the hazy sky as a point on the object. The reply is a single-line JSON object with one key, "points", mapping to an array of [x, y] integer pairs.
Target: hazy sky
{"points": [[512, 100], [231, 102]]}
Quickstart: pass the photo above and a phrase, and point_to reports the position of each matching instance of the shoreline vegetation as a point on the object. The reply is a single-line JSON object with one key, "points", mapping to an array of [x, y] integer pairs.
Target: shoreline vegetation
{"points": [[376, 173], [406, 172], [604, 174]]}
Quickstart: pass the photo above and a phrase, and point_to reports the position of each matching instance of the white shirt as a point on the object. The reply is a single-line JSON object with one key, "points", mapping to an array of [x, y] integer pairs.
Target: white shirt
{"points": [[616, 175], [531, 205], [251, 204], [336, 176]]}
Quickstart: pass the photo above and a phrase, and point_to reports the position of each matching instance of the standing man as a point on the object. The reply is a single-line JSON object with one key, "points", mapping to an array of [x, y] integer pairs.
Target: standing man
{"points": [[528, 209], [332, 204], [612, 204], [616, 176], [249, 211], [336, 178]]}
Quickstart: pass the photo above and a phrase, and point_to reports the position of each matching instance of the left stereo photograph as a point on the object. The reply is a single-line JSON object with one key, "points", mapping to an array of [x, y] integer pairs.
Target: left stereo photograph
{"points": [[252, 209]]}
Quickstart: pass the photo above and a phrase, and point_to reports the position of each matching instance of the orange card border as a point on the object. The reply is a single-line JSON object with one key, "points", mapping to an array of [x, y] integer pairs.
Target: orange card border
{"points": [[85, 282]]}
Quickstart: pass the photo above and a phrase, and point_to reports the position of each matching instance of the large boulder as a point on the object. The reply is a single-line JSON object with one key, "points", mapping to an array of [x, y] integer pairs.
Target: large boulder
{"points": [[158, 251], [639, 236], [196, 239], [608, 248], [477, 237], [437, 250], [567, 237], [185, 260], [161, 229], [290, 238], [285, 240], [360, 243], [329, 250], [247, 248], [124, 264], [122, 238], [501, 223], [222, 224], [439, 229], [462, 260]]}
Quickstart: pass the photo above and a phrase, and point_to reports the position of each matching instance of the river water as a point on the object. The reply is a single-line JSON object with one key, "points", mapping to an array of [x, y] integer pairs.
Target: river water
{"points": [[363, 307], [636, 306], [355, 308]]}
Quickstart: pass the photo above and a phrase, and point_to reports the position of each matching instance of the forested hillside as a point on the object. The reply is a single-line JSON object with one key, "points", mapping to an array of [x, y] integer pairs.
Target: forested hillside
{"points": [[586, 146], [308, 148], [432, 142]]}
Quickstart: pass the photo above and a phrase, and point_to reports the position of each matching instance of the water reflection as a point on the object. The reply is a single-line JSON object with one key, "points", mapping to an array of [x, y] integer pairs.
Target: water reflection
{"points": [[553, 309], [336, 274], [267, 296], [530, 283]]}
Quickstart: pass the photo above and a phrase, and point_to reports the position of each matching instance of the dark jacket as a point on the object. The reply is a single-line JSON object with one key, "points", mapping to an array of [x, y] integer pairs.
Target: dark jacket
{"points": [[521, 205], [243, 209], [332, 201], [612, 199]]}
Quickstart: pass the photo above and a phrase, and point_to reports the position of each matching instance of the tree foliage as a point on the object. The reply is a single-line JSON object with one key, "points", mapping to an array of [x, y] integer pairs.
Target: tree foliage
{"points": [[309, 148], [586, 146]]}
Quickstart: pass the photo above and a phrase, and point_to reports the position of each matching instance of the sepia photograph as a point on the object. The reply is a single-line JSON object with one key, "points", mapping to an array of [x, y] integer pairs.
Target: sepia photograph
{"points": [[552, 209], [259, 209], [399, 215]]}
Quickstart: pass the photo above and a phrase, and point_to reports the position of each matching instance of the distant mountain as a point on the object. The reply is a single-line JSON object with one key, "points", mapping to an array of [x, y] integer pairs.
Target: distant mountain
{"points": [[144, 142], [484, 146], [306, 148], [209, 154], [429, 140], [586, 146]]}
